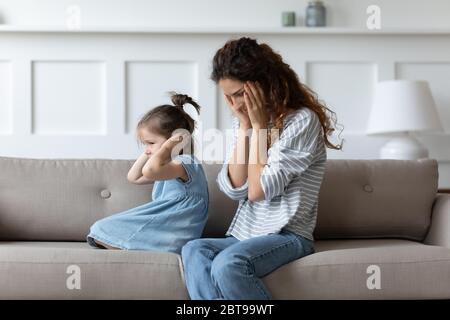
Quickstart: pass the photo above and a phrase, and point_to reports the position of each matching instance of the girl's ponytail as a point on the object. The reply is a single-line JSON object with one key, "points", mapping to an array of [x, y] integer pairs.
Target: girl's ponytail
{"points": [[179, 100], [165, 119]]}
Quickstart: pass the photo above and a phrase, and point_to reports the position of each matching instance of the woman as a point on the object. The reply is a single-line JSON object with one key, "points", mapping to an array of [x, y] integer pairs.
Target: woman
{"points": [[276, 181]]}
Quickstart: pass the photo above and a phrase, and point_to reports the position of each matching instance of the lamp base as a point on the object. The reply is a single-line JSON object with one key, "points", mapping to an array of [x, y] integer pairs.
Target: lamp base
{"points": [[403, 148]]}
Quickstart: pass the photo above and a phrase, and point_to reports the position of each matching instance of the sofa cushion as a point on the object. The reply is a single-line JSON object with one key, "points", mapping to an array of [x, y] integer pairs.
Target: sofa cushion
{"points": [[377, 199], [340, 269], [41, 270], [46, 199], [221, 208]]}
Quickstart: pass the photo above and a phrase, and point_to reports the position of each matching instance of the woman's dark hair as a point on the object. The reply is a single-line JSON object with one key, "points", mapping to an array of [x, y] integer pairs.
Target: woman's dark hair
{"points": [[165, 119], [246, 60]]}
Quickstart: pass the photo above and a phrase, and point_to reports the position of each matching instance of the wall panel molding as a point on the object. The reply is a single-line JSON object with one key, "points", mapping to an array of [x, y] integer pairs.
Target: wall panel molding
{"points": [[6, 125], [106, 79], [68, 97]]}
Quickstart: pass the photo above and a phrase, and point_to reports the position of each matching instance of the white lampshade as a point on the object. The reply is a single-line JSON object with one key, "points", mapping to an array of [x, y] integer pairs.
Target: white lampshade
{"points": [[403, 106]]}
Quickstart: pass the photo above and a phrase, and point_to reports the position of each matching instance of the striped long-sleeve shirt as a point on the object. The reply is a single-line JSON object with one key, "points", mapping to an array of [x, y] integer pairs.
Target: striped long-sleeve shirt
{"points": [[290, 180]]}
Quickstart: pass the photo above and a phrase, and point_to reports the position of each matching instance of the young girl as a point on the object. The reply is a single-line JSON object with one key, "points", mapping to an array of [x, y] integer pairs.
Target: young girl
{"points": [[178, 211], [277, 187]]}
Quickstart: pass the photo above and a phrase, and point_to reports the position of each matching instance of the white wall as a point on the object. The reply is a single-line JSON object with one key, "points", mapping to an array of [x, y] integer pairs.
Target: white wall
{"points": [[198, 13], [114, 78]]}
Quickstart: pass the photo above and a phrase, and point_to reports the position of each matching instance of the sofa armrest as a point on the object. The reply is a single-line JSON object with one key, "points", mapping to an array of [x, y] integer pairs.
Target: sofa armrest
{"points": [[439, 232]]}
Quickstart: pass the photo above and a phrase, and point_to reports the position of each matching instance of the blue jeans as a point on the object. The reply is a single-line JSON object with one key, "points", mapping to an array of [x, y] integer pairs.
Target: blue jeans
{"points": [[226, 268]]}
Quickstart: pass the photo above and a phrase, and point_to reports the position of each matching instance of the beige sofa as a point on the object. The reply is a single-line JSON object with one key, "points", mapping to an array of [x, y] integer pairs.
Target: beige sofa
{"points": [[383, 232]]}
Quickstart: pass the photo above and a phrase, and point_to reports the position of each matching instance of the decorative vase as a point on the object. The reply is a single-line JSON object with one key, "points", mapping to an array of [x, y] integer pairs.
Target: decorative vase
{"points": [[315, 14]]}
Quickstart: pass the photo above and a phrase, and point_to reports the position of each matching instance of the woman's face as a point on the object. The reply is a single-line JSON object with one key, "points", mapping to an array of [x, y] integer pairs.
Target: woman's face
{"points": [[233, 91], [152, 141]]}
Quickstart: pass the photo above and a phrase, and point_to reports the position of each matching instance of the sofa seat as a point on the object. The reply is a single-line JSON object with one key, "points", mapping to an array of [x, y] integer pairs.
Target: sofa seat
{"points": [[338, 269], [38, 270]]}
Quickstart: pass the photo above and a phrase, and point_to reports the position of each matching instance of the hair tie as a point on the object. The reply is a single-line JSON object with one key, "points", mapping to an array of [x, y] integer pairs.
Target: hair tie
{"points": [[179, 107]]}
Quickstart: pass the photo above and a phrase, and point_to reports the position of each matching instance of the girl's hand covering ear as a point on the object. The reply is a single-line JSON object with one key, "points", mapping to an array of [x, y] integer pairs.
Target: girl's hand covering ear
{"points": [[175, 140]]}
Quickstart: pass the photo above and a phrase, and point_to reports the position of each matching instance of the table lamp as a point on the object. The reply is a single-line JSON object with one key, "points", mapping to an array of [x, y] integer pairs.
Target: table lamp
{"points": [[402, 107]]}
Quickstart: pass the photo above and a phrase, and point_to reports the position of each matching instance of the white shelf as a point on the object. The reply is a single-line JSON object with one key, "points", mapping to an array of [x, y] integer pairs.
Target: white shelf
{"points": [[220, 30]]}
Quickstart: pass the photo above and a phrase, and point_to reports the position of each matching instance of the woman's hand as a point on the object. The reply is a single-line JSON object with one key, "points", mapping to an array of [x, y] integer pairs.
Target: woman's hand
{"points": [[256, 105], [257, 112], [240, 112]]}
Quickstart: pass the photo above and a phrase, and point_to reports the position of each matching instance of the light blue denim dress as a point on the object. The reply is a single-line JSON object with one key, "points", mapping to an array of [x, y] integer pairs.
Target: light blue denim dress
{"points": [[176, 215]]}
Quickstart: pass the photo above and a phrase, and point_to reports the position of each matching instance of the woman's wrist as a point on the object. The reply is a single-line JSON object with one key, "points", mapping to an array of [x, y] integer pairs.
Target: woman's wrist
{"points": [[245, 125], [259, 126], [258, 146]]}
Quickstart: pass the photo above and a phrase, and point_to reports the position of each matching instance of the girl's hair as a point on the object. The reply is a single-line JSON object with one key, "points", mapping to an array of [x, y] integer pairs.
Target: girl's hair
{"points": [[246, 60], [165, 119]]}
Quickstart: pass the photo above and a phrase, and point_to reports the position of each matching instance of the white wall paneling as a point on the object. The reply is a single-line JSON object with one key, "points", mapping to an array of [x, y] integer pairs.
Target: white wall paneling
{"points": [[347, 87], [159, 77], [444, 174], [5, 98], [68, 97], [103, 81]]}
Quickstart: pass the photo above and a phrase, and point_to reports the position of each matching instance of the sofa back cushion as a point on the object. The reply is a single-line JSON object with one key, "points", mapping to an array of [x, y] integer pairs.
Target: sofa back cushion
{"points": [[380, 198], [59, 199], [42, 199], [377, 198]]}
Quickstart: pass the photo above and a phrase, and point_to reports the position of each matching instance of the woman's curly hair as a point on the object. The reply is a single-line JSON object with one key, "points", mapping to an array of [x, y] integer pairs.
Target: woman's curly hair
{"points": [[246, 60]]}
